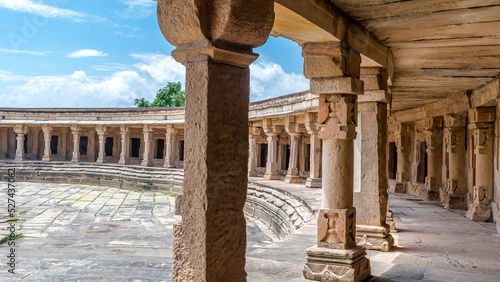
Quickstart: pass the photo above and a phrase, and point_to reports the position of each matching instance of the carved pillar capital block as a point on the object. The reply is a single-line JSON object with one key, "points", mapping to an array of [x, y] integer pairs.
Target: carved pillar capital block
{"points": [[338, 116]]}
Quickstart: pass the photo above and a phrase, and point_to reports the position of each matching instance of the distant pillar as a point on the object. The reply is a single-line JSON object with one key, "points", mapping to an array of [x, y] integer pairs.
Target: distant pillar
{"points": [[76, 144], [292, 128], [171, 147], [456, 184], [47, 135], [125, 145], [403, 149], [148, 140], [481, 123], [4, 141], [64, 143], [35, 131], [314, 180], [21, 131], [272, 132], [433, 138], [101, 132], [252, 152]]}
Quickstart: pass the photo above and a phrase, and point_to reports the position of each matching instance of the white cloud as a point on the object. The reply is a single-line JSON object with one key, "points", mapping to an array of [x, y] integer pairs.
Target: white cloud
{"points": [[12, 51], [118, 89], [122, 86], [28, 6], [86, 53], [138, 8], [268, 80]]}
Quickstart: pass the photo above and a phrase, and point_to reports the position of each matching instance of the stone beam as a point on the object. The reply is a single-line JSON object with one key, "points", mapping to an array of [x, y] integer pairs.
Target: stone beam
{"points": [[329, 20]]}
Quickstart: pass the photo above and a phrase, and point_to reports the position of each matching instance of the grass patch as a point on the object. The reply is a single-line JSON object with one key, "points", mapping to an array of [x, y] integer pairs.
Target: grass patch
{"points": [[23, 212]]}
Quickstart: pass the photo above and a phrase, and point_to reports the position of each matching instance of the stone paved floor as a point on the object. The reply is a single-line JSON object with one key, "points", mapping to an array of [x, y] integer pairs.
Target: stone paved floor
{"points": [[89, 233]]}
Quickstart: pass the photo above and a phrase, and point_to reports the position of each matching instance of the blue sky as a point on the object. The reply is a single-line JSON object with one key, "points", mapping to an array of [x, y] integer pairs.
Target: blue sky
{"points": [[95, 53]]}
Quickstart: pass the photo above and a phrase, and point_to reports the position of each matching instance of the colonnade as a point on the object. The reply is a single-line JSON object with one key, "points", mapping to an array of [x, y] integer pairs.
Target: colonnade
{"points": [[146, 145], [459, 153]]}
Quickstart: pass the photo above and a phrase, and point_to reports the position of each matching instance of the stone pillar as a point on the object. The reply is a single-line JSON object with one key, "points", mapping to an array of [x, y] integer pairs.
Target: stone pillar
{"points": [[292, 128], [372, 198], [252, 152], [34, 141], [125, 145], [47, 135], [311, 123], [64, 143], [214, 40], [403, 144], [101, 132], [20, 130], [481, 124], [456, 185], [433, 138], [334, 69], [147, 160], [4, 141], [91, 146], [272, 132], [75, 131], [170, 147]]}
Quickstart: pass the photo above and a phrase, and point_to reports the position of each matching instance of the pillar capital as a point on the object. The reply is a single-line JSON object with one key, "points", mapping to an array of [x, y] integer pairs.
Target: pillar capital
{"points": [[454, 122], [291, 127], [271, 129], [433, 123], [311, 123], [481, 118], [225, 31], [124, 128], [75, 129], [337, 116], [46, 128], [171, 129], [101, 130], [375, 85], [20, 129]]}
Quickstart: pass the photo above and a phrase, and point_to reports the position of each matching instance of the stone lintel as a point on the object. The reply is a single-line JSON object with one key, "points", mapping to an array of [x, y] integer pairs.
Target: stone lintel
{"points": [[454, 122], [195, 51], [433, 123], [337, 85], [380, 96]]}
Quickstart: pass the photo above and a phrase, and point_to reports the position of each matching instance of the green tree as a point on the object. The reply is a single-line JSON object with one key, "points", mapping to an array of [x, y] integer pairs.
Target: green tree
{"points": [[169, 96]]}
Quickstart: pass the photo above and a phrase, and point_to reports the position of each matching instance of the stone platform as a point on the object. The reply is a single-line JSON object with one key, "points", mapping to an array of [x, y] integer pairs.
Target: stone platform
{"points": [[93, 233]]}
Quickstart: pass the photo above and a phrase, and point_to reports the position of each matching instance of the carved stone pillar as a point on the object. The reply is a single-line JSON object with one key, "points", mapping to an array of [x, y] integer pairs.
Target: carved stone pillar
{"points": [[21, 131], [311, 123], [334, 70], [272, 132], [292, 128], [456, 185], [433, 139], [403, 144], [64, 143], [147, 159], [47, 135], [101, 132], [170, 147], [35, 131], [372, 198], [481, 123], [125, 145], [214, 40], [252, 152], [4, 141], [76, 144]]}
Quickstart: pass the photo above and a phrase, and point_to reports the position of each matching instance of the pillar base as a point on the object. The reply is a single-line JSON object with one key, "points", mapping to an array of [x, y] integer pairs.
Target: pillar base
{"points": [[100, 161], [147, 163], [272, 176], [453, 201], [374, 237], [429, 195], [479, 213], [389, 220], [325, 264], [169, 165], [313, 182], [47, 158], [123, 162], [400, 187], [292, 179]]}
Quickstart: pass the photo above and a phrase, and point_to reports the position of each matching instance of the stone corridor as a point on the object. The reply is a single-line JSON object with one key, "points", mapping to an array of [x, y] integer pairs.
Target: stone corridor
{"points": [[94, 233]]}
